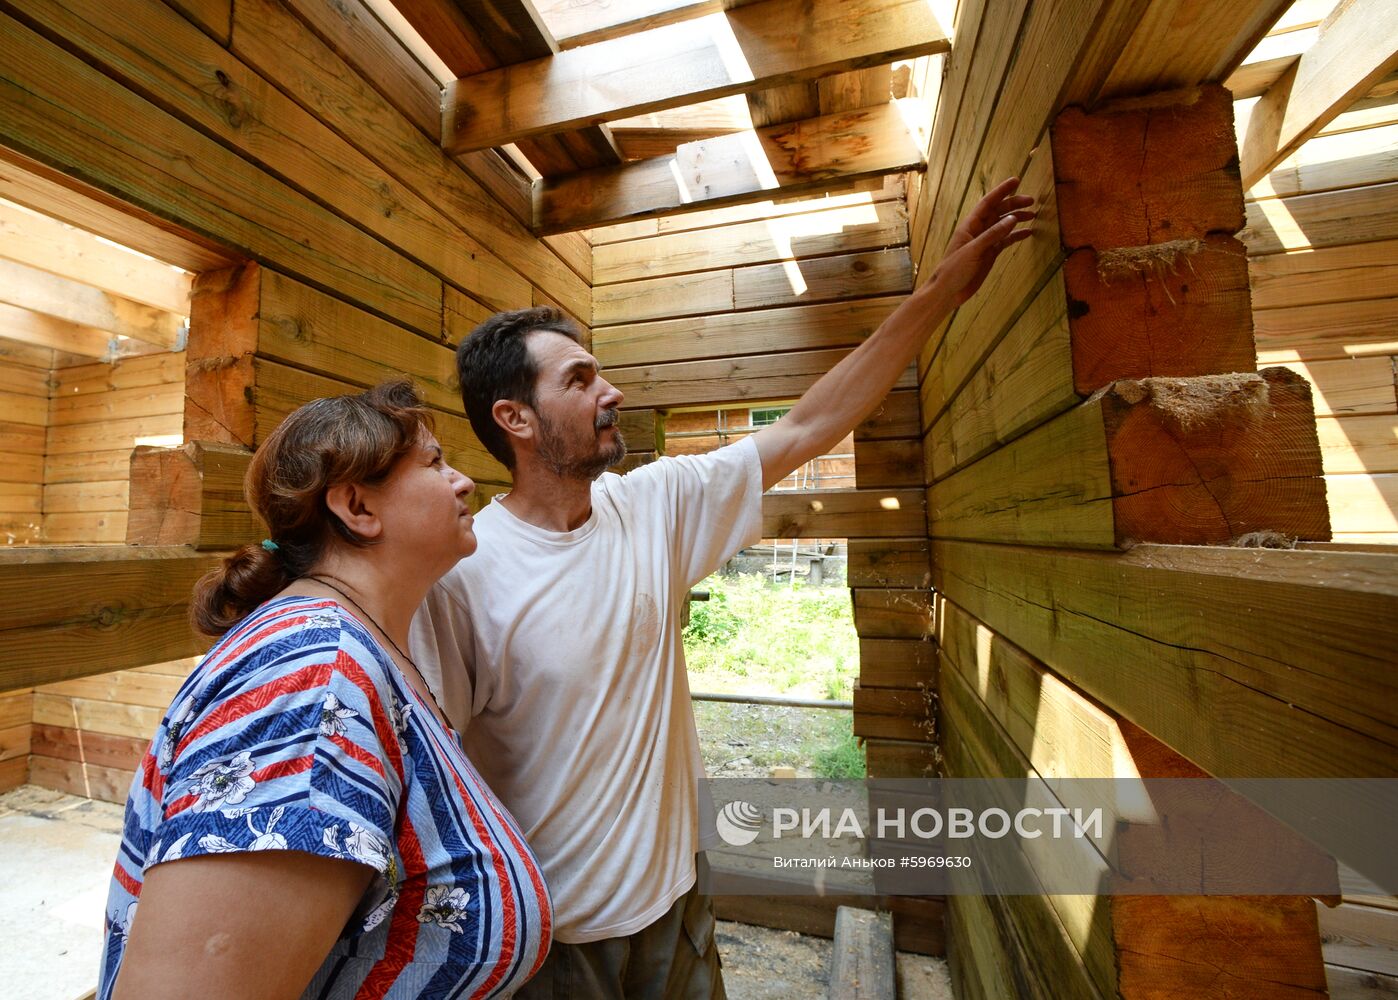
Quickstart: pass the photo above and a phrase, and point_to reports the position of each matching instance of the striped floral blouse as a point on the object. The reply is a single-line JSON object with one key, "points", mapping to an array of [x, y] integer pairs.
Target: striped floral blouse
{"points": [[297, 732]]}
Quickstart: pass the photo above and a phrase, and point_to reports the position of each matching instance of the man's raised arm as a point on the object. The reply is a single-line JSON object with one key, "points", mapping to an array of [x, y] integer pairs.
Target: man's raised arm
{"points": [[850, 391]]}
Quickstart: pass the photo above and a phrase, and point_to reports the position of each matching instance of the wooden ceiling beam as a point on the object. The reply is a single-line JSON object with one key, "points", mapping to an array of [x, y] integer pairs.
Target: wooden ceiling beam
{"points": [[47, 244], [83, 305], [781, 160], [41, 330], [578, 24], [1182, 43], [758, 46], [1265, 64], [476, 36], [1357, 48]]}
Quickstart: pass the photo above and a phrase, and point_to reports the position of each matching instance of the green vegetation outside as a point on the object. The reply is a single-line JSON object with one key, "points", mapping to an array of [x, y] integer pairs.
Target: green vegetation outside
{"points": [[754, 637]]}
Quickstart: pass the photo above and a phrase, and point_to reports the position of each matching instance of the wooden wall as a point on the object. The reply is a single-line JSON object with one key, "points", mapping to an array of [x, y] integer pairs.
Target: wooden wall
{"points": [[1053, 621], [1322, 240], [284, 150], [24, 394], [98, 413]]}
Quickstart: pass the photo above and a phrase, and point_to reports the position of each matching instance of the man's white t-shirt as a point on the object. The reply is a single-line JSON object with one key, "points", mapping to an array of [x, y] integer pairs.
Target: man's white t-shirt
{"points": [[557, 656]]}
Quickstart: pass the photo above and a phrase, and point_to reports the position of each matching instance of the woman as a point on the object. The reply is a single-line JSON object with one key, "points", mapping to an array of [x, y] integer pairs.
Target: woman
{"points": [[304, 822]]}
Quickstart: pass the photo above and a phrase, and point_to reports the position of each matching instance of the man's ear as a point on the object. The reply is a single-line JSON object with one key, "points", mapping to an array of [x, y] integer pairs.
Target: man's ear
{"points": [[357, 506], [514, 418]]}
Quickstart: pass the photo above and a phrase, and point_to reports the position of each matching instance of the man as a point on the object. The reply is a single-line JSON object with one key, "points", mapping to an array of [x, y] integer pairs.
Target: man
{"points": [[559, 642]]}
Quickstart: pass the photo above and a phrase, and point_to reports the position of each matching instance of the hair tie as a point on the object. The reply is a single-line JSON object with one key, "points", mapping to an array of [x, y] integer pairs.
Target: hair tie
{"points": [[270, 545]]}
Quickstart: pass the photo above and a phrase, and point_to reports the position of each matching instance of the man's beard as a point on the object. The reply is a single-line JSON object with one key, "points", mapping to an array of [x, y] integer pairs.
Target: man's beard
{"points": [[553, 450]]}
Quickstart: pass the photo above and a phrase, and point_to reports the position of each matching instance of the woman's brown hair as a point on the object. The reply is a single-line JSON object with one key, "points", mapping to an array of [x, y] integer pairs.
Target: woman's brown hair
{"points": [[327, 442]]}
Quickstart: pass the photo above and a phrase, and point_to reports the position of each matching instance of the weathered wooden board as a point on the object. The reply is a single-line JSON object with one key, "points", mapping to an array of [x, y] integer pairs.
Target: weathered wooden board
{"points": [[841, 513], [762, 44], [89, 610], [1174, 638], [1188, 461]]}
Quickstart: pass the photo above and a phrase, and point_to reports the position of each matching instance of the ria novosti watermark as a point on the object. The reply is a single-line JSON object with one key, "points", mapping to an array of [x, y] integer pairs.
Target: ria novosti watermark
{"points": [[1076, 836]]}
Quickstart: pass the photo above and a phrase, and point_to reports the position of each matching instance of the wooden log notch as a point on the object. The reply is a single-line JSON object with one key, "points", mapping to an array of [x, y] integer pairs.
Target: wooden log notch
{"points": [[1149, 202], [1189, 461], [190, 495]]}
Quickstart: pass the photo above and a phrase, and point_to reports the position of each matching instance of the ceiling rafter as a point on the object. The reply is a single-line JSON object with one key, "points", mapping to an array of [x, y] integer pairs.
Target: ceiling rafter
{"points": [[475, 36], [759, 45], [793, 158]]}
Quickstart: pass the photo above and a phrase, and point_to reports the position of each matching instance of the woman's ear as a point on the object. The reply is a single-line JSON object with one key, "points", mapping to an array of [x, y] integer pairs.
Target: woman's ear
{"points": [[357, 506], [515, 419]]}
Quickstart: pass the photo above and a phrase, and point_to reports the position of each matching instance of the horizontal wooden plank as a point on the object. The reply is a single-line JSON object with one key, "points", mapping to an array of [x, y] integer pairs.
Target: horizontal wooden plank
{"points": [[1331, 274], [841, 513], [82, 611], [20, 408], [81, 304], [836, 324], [1330, 330], [68, 408], [1137, 463], [673, 65], [146, 370], [1363, 504], [893, 614], [1358, 443], [900, 663], [793, 158], [885, 272], [471, 192], [1360, 937], [896, 417], [165, 167], [895, 713], [1174, 638], [38, 241], [113, 435], [900, 759], [1332, 218], [662, 298], [85, 528], [27, 380], [1355, 984], [891, 562], [1349, 385], [1328, 163], [124, 687], [87, 466], [90, 781], [891, 189], [729, 380], [22, 498], [835, 230], [122, 753], [41, 330], [888, 463], [62, 498]]}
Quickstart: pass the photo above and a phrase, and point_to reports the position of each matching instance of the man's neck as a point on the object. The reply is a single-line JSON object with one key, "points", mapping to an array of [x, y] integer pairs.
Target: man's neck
{"points": [[548, 501]]}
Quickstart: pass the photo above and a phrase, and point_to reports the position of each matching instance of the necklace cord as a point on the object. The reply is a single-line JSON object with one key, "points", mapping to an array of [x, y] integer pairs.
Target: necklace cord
{"points": [[324, 581]]}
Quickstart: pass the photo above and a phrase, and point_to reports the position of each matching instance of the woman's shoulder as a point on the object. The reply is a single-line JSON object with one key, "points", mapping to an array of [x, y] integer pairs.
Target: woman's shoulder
{"points": [[289, 635]]}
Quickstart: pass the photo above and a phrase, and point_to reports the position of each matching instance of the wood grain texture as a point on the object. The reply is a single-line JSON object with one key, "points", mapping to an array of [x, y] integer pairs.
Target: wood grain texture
{"points": [[762, 44]]}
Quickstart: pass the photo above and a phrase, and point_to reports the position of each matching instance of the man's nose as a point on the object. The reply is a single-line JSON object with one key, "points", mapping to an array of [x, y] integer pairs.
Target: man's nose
{"points": [[611, 395]]}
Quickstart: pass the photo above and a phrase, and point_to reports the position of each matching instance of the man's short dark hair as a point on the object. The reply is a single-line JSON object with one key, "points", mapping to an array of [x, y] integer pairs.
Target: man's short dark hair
{"points": [[494, 363]]}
